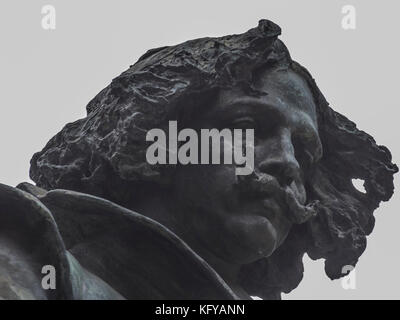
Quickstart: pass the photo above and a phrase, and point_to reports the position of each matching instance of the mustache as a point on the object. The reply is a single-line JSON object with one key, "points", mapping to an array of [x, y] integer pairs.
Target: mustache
{"points": [[261, 185]]}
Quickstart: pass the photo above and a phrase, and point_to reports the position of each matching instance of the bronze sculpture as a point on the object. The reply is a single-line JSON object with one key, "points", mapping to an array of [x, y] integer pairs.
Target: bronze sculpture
{"points": [[129, 229]]}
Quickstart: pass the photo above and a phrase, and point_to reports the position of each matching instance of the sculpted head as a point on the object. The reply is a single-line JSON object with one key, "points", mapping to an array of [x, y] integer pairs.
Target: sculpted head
{"points": [[299, 198], [246, 217]]}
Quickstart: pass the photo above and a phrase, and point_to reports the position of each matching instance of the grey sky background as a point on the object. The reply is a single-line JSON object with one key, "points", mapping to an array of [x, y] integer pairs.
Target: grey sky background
{"points": [[48, 77]]}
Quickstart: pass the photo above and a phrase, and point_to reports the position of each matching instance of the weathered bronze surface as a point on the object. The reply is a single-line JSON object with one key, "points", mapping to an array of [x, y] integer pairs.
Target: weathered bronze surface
{"points": [[116, 227]]}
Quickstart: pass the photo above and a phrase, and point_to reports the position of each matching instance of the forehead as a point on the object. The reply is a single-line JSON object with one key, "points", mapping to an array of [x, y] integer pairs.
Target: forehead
{"points": [[284, 90]]}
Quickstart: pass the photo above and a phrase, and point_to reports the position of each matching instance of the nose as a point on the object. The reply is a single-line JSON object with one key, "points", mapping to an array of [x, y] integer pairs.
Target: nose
{"points": [[280, 161], [284, 171]]}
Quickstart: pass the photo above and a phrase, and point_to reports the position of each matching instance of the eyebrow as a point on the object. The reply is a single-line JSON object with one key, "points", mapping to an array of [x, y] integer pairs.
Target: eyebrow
{"points": [[248, 101], [242, 105]]}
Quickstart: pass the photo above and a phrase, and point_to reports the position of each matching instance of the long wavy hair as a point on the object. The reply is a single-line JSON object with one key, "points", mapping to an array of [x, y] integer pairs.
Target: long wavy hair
{"points": [[104, 153]]}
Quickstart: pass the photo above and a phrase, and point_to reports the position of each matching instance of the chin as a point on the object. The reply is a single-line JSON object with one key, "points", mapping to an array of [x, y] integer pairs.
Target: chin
{"points": [[254, 236]]}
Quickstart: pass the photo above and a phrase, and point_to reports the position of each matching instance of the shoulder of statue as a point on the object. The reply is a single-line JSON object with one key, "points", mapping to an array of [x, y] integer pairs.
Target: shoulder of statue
{"points": [[29, 241], [113, 251]]}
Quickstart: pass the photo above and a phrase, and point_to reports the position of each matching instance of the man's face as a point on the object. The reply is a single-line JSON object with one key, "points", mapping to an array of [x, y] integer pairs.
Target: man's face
{"points": [[241, 219]]}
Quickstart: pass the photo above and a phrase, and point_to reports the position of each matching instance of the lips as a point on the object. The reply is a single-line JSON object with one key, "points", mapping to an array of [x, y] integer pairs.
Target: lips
{"points": [[267, 188]]}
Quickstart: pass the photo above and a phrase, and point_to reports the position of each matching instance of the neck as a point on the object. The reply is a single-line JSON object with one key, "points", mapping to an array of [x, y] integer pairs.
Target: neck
{"points": [[229, 272], [159, 210]]}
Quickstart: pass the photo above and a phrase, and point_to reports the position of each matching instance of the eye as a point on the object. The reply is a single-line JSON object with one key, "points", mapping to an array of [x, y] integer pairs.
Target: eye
{"points": [[244, 123]]}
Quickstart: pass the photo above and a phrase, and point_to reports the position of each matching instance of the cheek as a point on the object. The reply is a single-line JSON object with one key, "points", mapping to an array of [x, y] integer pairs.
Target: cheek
{"points": [[207, 186]]}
